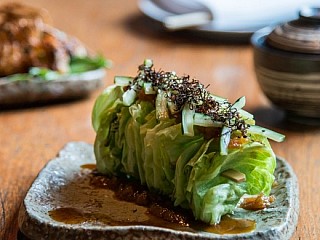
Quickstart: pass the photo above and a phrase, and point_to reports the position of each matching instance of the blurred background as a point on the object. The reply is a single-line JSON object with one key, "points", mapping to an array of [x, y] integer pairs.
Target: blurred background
{"points": [[208, 40]]}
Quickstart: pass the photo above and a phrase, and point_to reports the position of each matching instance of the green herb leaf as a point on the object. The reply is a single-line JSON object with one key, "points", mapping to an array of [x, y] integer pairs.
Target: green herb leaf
{"points": [[19, 77], [83, 64], [77, 65], [44, 73]]}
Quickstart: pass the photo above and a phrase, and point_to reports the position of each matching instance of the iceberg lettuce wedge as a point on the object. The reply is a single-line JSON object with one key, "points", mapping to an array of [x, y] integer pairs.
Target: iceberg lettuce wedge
{"points": [[133, 139]]}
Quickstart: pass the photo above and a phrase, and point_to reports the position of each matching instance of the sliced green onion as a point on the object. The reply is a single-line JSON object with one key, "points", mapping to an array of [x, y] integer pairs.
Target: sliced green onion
{"points": [[148, 63], [161, 106], [187, 120], [245, 115], [218, 99], [225, 140], [148, 88], [129, 96], [123, 81], [240, 103], [278, 137], [200, 119], [139, 82]]}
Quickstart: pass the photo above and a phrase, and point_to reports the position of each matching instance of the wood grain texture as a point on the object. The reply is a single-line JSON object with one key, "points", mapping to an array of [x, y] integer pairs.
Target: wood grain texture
{"points": [[29, 137]]}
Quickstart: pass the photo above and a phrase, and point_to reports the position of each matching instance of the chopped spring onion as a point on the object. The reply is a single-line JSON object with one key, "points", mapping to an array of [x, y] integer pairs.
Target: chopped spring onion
{"points": [[225, 140], [245, 115], [218, 99], [129, 96], [240, 103], [148, 88], [200, 119], [148, 63], [187, 120], [278, 137], [123, 81]]}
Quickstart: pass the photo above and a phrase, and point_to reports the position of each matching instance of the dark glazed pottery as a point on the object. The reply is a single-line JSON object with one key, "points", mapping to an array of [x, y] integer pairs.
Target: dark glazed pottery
{"points": [[287, 64]]}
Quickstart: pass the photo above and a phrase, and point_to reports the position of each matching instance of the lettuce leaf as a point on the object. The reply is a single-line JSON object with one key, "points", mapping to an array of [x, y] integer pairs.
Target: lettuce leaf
{"points": [[131, 141], [132, 151], [207, 189]]}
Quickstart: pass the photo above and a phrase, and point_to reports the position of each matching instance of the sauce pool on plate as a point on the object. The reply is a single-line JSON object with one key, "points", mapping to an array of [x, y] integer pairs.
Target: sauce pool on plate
{"points": [[157, 210]]}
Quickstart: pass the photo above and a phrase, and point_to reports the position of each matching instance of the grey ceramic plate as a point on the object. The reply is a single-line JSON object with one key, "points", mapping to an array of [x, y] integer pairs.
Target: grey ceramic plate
{"points": [[37, 91], [62, 184]]}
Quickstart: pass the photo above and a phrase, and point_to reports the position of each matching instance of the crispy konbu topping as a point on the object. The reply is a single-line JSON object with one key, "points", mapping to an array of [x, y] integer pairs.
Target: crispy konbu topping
{"points": [[185, 90]]}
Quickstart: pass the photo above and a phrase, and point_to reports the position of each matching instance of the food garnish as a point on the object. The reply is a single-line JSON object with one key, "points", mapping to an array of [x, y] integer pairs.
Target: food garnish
{"points": [[174, 136], [77, 65]]}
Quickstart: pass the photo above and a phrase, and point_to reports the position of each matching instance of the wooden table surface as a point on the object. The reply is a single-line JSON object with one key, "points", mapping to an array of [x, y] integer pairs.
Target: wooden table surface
{"points": [[30, 137]]}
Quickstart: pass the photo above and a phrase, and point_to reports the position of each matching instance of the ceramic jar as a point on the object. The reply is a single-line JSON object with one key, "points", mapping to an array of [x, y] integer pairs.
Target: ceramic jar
{"points": [[287, 64]]}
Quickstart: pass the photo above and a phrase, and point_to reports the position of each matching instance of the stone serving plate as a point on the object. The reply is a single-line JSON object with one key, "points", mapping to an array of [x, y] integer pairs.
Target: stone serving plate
{"points": [[62, 184], [70, 86]]}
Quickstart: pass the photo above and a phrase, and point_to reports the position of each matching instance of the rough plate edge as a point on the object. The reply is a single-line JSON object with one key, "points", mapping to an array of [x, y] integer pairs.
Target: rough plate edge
{"points": [[32, 226]]}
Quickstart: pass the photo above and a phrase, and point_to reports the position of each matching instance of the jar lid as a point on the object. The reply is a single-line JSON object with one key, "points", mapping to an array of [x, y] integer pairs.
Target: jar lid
{"points": [[301, 35]]}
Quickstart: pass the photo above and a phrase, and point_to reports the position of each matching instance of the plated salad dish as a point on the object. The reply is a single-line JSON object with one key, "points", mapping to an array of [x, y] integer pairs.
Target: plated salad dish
{"points": [[173, 136], [69, 199], [170, 161], [39, 62]]}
